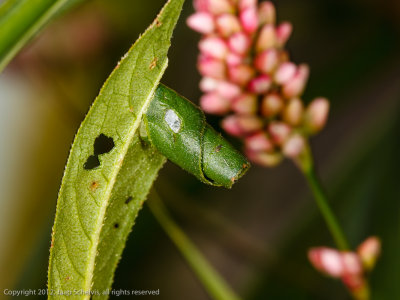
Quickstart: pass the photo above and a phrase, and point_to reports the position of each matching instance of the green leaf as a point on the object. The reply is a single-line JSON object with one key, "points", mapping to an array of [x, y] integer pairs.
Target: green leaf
{"points": [[110, 170], [179, 131], [20, 20]]}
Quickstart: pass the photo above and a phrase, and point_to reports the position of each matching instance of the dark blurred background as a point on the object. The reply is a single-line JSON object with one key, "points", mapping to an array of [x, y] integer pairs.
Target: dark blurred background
{"points": [[257, 234]]}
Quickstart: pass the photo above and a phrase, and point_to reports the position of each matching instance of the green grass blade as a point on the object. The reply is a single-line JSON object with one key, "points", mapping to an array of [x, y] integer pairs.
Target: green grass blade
{"points": [[110, 170], [20, 20]]}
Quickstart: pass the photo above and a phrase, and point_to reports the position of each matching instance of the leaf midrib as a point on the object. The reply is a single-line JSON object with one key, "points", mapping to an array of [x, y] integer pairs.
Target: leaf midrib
{"points": [[103, 208]]}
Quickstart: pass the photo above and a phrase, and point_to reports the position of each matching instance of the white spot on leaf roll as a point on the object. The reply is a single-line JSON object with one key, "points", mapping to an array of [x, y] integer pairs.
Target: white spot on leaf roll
{"points": [[173, 121]]}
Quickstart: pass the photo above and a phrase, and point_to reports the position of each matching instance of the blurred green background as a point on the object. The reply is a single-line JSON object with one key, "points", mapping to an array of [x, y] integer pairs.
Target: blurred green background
{"points": [[256, 234]]}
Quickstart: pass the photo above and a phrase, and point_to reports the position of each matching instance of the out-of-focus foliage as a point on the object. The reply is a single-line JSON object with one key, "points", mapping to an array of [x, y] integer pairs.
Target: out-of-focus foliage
{"points": [[258, 233]]}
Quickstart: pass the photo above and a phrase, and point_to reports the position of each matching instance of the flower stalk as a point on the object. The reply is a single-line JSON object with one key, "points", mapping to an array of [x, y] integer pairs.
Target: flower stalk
{"points": [[214, 284]]}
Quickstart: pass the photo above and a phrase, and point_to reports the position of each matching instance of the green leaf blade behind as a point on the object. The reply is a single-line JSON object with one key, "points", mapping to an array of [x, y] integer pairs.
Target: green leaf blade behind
{"points": [[91, 200]]}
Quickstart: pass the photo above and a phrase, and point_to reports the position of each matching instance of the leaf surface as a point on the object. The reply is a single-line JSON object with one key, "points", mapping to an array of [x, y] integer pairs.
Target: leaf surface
{"points": [[110, 170]]}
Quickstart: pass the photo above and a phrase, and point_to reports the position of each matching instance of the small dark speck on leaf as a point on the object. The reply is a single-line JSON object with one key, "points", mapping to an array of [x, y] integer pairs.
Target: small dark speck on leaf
{"points": [[218, 148], [116, 225], [129, 199], [158, 23], [94, 185], [153, 63], [67, 278]]}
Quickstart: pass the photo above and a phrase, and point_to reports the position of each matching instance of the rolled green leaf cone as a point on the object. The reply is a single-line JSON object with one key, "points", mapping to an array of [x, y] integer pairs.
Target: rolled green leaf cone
{"points": [[178, 129]]}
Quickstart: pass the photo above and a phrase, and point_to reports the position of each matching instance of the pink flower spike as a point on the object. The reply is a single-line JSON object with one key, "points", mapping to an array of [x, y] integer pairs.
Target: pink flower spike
{"points": [[208, 84], [211, 67], [233, 59], [240, 74], [369, 252], [326, 260], [294, 146], [201, 22], [227, 24], [285, 72], [293, 112], [228, 90], [279, 132], [245, 104], [266, 39], [283, 32], [214, 47], [271, 105], [249, 20], [265, 159], [266, 13], [258, 142], [239, 43], [214, 104], [266, 61], [260, 84], [317, 114], [295, 86]]}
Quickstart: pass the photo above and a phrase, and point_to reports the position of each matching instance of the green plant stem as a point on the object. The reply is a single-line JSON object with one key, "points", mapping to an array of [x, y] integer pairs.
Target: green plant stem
{"points": [[306, 165], [215, 285]]}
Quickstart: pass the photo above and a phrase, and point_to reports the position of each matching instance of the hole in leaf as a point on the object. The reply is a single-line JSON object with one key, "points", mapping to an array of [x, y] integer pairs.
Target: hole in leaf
{"points": [[103, 144], [116, 225], [129, 199], [92, 162]]}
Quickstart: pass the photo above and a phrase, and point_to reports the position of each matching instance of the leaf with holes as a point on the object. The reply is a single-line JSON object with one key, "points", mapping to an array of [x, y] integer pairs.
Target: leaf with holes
{"points": [[110, 170]]}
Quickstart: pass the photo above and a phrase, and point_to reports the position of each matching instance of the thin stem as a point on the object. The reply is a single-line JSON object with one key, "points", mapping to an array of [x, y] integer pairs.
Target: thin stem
{"points": [[306, 165], [209, 277]]}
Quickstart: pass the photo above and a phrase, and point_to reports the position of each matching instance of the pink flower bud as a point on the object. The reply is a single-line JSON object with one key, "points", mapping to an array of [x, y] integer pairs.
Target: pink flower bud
{"points": [[200, 5], [326, 260], [201, 22], [283, 32], [316, 114], [266, 39], [227, 24], [260, 84], [214, 104], [351, 263], [208, 84], [249, 20], [214, 47], [211, 67], [258, 142], [266, 13], [369, 252], [293, 112], [215, 7], [245, 104], [243, 4], [241, 125], [266, 61], [294, 146], [233, 59], [279, 132], [285, 72], [271, 105], [265, 159], [239, 43], [228, 90], [295, 86], [240, 74]]}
